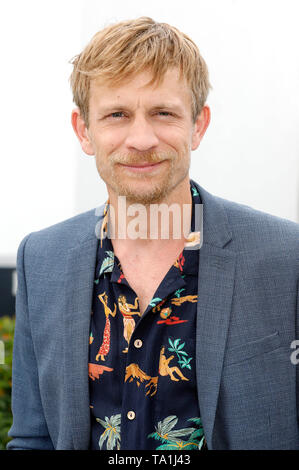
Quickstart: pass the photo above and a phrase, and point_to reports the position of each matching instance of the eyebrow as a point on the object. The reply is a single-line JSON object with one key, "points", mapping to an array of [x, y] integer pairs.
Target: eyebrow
{"points": [[120, 107], [172, 106]]}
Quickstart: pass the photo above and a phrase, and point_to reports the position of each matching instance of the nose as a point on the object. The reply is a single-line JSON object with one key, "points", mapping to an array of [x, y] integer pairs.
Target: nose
{"points": [[141, 135]]}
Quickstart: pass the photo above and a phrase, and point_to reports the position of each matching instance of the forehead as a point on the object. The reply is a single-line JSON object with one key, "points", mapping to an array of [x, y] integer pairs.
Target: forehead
{"points": [[172, 89]]}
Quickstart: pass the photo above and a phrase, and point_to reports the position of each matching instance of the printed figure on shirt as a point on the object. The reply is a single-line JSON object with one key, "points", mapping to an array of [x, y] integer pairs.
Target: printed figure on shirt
{"points": [[129, 322], [133, 371], [165, 369], [105, 347]]}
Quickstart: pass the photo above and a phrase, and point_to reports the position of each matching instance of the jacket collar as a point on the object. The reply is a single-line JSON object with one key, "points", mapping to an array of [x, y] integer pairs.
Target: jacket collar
{"points": [[216, 227]]}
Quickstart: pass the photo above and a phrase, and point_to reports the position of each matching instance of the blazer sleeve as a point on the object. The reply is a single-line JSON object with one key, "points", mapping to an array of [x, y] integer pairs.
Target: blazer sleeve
{"points": [[297, 366], [29, 429]]}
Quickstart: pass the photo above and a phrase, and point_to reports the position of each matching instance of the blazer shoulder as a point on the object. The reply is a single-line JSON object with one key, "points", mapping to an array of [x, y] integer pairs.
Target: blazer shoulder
{"points": [[244, 228], [258, 228], [58, 238]]}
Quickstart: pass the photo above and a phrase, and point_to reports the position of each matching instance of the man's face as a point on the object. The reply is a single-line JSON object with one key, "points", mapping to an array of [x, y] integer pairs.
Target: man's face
{"points": [[142, 136]]}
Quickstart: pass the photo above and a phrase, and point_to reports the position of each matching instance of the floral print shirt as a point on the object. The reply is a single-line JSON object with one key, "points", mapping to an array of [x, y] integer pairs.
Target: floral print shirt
{"points": [[143, 393]]}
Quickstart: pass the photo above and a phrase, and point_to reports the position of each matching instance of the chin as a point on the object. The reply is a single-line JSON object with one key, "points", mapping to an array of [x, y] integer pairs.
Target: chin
{"points": [[150, 196]]}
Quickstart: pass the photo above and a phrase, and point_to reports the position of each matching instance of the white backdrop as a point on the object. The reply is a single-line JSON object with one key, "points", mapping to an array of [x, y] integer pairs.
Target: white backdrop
{"points": [[251, 148]]}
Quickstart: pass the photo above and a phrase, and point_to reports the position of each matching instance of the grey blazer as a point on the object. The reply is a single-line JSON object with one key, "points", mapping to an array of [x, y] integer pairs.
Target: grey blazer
{"points": [[248, 316]]}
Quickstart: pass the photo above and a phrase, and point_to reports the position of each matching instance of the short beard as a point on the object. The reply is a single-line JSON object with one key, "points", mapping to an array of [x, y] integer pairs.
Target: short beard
{"points": [[158, 192]]}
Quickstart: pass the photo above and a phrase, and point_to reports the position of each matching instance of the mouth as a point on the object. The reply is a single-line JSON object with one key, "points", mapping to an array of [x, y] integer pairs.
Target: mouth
{"points": [[142, 167]]}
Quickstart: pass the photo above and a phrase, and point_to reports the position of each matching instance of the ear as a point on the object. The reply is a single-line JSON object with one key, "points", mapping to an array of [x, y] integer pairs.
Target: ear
{"points": [[81, 132], [200, 126]]}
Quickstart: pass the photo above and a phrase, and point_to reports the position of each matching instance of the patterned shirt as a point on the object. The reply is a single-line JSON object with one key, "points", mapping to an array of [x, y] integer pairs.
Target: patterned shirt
{"points": [[143, 393]]}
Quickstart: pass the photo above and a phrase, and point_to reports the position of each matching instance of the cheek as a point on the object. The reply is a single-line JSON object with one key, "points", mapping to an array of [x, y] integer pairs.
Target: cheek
{"points": [[110, 141], [177, 138]]}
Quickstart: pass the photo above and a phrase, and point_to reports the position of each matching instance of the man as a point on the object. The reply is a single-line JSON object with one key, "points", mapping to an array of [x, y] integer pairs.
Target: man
{"points": [[191, 346]]}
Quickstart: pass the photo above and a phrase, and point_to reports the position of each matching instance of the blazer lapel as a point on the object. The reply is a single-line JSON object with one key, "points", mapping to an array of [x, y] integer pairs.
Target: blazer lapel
{"points": [[215, 291], [79, 281]]}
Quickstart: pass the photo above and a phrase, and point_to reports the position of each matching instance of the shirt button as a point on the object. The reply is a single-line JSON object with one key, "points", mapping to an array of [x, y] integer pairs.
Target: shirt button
{"points": [[137, 343], [131, 415]]}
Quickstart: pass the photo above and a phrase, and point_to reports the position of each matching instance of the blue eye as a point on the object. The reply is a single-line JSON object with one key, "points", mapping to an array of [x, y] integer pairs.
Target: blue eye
{"points": [[117, 114]]}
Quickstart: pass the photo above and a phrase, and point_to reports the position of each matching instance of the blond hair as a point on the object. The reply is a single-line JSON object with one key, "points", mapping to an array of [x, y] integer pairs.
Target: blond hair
{"points": [[126, 48]]}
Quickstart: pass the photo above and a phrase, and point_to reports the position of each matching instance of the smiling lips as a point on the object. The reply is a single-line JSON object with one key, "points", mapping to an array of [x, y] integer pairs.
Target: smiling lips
{"points": [[141, 167]]}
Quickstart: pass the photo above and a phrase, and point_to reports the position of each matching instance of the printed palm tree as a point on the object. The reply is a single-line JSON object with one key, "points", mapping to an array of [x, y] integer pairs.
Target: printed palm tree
{"points": [[107, 263], [172, 439], [184, 360], [178, 292], [198, 433], [111, 433], [155, 301]]}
